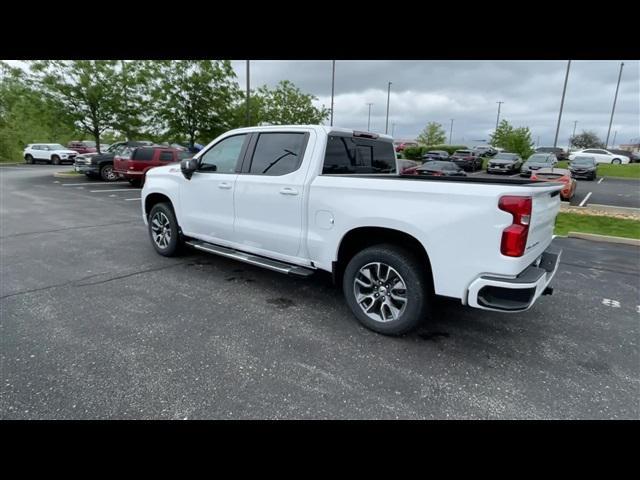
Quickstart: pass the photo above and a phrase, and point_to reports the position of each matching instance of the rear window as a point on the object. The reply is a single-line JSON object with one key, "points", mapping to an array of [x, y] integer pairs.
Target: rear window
{"points": [[277, 153], [358, 155], [143, 154], [166, 156]]}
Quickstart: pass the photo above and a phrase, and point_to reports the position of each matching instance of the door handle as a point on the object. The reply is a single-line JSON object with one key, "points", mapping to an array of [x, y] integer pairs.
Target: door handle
{"points": [[288, 191], [224, 185]]}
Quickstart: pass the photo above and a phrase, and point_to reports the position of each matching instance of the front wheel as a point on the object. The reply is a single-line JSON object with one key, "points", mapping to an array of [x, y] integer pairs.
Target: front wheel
{"points": [[28, 159], [616, 161], [55, 160], [164, 231], [107, 173], [387, 289]]}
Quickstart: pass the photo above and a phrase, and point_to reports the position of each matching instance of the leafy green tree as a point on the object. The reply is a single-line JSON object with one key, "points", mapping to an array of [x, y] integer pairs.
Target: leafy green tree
{"points": [[515, 140], [499, 136], [131, 112], [287, 105], [586, 139], [90, 90], [432, 134], [194, 98]]}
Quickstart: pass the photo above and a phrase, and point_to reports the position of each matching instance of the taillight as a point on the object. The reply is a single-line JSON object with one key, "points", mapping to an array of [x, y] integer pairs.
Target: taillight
{"points": [[514, 237]]}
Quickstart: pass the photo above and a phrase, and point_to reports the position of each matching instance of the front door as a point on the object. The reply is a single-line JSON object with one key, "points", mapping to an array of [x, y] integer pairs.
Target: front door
{"points": [[206, 206]]}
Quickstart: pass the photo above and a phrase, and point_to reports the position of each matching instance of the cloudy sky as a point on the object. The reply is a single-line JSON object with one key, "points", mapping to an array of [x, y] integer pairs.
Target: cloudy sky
{"points": [[467, 91]]}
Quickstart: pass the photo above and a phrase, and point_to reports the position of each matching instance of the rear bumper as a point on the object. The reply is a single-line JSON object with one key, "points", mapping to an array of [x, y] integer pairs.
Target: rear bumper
{"points": [[496, 293]]}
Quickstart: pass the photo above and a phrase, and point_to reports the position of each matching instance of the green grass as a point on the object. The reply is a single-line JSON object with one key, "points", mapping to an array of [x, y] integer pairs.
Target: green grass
{"points": [[600, 225]]}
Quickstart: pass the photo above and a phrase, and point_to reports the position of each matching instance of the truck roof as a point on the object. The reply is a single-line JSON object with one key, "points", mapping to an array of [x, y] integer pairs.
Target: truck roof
{"points": [[324, 128]]}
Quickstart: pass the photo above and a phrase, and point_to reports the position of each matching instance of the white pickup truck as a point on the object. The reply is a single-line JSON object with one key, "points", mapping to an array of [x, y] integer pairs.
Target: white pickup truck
{"points": [[296, 199]]}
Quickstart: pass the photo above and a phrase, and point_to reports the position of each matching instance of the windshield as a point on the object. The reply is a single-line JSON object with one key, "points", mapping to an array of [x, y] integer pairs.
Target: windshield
{"points": [[539, 159], [439, 166], [583, 161], [89, 144], [56, 146]]}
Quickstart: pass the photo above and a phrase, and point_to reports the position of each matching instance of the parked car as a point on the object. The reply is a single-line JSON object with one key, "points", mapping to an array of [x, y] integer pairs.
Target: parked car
{"points": [[467, 160], [505, 163], [557, 151], [583, 166], [602, 156], [407, 165], [82, 147], [134, 163], [440, 168], [435, 155], [634, 157], [301, 198], [53, 153], [536, 161], [485, 151], [101, 164], [400, 146], [557, 175]]}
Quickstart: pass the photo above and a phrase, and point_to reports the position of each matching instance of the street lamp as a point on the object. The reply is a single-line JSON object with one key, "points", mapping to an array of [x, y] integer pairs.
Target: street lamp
{"points": [[498, 118], [369, 120], [606, 143], [386, 126], [451, 131], [564, 90]]}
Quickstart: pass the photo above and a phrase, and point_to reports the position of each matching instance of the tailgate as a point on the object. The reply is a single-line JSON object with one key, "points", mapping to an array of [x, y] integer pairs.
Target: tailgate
{"points": [[546, 205]]}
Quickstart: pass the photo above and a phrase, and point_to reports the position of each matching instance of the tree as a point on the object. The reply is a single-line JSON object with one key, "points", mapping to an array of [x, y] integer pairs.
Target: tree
{"points": [[515, 140], [90, 91], [586, 139], [194, 98], [432, 134], [287, 105], [131, 113]]}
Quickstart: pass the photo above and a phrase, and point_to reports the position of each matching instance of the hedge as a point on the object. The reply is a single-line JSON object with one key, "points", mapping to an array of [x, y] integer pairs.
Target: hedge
{"points": [[415, 153]]}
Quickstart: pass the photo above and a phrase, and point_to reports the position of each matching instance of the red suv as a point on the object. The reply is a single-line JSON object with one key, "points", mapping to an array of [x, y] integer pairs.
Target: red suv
{"points": [[82, 147], [134, 163]]}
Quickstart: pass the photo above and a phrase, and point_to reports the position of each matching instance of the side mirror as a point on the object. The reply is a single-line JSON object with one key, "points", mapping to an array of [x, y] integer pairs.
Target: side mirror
{"points": [[188, 166]]}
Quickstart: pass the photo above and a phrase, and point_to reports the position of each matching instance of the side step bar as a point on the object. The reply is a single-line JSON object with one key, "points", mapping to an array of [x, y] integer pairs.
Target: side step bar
{"points": [[263, 262]]}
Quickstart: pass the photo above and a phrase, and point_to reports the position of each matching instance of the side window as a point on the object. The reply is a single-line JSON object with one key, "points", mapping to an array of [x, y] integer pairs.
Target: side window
{"points": [[277, 153], [223, 156], [590, 151], [166, 156], [349, 155], [143, 154]]}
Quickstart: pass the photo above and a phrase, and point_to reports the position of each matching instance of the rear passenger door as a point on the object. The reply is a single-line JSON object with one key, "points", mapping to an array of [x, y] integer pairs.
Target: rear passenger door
{"points": [[270, 192]]}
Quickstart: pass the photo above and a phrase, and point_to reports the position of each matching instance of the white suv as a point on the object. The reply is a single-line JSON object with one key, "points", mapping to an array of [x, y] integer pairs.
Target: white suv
{"points": [[601, 156], [48, 152]]}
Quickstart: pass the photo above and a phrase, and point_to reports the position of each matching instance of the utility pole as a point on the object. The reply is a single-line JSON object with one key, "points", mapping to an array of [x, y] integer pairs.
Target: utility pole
{"points": [[369, 120], [386, 126], [333, 83], [574, 128], [613, 144], [606, 143], [538, 141], [451, 131], [393, 128], [498, 118], [564, 90], [248, 93]]}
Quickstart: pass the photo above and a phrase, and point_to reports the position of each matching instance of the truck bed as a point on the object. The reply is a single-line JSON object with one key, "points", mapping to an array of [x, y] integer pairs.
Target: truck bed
{"points": [[492, 181]]}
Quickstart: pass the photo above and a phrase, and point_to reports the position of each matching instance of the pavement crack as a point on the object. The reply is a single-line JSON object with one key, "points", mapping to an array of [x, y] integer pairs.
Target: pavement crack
{"points": [[68, 228]]}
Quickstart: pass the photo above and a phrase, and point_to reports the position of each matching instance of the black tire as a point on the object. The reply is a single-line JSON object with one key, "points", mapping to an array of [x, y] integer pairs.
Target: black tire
{"points": [[417, 291], [55, 159], [107, 174], [175, 243], [28, 159], [616, 161]]}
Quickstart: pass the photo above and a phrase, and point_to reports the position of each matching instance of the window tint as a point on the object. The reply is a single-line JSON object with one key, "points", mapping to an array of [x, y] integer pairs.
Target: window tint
{"points": [[358, 155], [277, 153], [223, 156], [590, 151], [183, 154], [143, 154], [166, 156]]}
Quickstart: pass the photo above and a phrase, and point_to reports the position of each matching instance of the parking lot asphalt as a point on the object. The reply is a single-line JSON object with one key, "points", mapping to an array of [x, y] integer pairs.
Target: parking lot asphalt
{"points": [[616, 192], [95, 324]]}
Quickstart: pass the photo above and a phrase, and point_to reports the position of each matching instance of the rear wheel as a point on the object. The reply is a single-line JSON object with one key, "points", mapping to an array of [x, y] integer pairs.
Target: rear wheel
{"points": [[387, 289], [616, 161], [55, 159], [164, 231], [107, 173]]}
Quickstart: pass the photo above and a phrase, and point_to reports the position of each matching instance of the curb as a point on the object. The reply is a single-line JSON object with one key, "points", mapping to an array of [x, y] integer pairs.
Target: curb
{"points": [[66, 175], [596, 208], [605, 238]]}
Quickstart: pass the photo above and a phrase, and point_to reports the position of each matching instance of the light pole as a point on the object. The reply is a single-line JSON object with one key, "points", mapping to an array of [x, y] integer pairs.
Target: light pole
{"points": [[248, 93], [451, 131], [606, 143], [498, 118], [613, 144], [393, 128], [333, 83], [564, 90], [386, 126], [369, 119]]}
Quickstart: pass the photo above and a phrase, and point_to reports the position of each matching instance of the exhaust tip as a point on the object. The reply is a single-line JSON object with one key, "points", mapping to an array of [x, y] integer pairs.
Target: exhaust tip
{"points": [[548, 291]]}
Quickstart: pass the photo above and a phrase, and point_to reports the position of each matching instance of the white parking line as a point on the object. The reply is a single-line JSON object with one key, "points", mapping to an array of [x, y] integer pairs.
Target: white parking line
{"points": [[130, 199], [115, 190], [515, 175], [600, 181], [584, 200]]}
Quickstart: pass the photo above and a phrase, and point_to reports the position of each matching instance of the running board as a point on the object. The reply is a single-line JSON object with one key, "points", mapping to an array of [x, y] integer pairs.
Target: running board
{"points": [[263, 262]]}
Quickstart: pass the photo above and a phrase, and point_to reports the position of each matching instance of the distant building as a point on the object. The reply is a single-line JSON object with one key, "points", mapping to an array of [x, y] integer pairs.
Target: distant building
{"points": [[631, 147]]}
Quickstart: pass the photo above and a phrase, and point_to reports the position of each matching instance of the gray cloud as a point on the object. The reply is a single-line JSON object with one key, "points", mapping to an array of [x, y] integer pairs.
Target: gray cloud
{"points": [[467, 91]]}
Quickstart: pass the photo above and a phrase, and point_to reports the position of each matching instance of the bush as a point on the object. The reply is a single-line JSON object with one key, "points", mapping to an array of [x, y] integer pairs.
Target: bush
{"points": [[415, 153]]}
